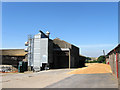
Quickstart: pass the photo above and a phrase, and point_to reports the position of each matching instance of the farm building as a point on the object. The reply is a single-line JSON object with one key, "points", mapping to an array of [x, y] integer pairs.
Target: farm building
{"points": [[65, 54], [82, 60], [12, 56], [114, 61], [46, 53], [39, 51]]}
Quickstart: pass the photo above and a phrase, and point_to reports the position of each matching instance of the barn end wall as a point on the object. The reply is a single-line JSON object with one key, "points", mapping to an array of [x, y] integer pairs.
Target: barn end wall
{"points": [[74, 56], [74, 51]]}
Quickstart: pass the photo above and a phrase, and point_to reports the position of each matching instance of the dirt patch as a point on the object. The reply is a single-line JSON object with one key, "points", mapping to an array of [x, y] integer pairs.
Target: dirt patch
{"points": [[92, 68]]}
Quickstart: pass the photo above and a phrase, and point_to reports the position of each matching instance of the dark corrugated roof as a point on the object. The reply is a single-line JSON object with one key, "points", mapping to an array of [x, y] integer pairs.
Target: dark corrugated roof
{"points": [[82, 56], [64, 41], [13, 52], [114, 49]]}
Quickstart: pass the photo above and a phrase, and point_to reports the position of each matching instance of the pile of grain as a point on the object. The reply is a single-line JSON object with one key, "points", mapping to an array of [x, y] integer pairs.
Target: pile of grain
{"points": [[93, 68]]}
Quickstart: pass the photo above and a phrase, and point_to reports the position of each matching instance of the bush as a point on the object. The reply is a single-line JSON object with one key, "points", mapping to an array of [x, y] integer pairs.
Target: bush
{"points": [[94, 61], [101, 59]]}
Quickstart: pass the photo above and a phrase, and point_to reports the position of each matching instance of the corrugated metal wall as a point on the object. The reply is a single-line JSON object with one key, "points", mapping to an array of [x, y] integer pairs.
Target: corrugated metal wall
{"points": [[119, 68], [44, 50], [114, 59], [40, 54], [36, 54]]}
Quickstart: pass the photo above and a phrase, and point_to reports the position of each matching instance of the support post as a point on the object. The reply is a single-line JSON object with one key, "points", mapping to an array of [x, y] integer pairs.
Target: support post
{"points": [[117, 64], [69, 59]]}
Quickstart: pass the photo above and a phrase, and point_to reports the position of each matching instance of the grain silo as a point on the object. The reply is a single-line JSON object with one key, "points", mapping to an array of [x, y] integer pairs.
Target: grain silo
{"points": [[38, 51]]}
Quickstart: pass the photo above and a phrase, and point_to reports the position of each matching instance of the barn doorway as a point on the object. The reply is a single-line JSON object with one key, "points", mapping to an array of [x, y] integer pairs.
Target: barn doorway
{"points": [[61, 59]]}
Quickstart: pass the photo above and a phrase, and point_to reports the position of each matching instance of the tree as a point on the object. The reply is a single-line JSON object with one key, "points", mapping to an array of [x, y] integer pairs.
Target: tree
{"points": [[101, 59], [88, 58]]}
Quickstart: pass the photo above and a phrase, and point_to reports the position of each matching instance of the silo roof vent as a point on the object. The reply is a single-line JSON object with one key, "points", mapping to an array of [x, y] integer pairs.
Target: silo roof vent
{"points": [[47, 33]]}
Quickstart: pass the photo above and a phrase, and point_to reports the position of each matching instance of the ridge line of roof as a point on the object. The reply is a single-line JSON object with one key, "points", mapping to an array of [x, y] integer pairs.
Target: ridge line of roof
{"points": [[66, 42], [113, 49]]}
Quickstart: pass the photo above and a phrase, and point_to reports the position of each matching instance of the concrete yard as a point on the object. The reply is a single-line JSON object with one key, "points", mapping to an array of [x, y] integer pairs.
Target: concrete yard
{"points": [[87, 81], [33, 80], [62, 78], [94, 75]]}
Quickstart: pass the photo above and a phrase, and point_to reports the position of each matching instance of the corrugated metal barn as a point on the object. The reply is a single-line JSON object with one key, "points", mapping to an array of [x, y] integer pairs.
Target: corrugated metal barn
{"points": [[65, 55], [54, 54], [43, 52], [12, 56], [114, 61]]}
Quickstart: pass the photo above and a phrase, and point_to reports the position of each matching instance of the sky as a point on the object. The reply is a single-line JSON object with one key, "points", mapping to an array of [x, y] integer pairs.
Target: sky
{"points": [[92, 26]]}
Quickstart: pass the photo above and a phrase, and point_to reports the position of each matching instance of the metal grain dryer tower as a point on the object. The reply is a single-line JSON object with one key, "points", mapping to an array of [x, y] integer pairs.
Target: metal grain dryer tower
{"points": [[38, 49]]}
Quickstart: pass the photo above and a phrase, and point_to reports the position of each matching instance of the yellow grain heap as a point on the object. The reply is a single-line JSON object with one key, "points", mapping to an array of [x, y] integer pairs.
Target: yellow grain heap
{"points": [[92, 68]]}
